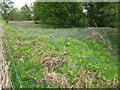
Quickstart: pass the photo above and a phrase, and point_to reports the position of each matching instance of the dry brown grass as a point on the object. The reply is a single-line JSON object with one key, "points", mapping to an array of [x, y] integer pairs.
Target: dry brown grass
{"points": [[102, 39], [84, 79], [92, 79]]}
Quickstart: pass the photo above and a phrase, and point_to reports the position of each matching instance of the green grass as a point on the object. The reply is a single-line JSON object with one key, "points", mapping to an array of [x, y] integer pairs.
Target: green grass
{"points": [[43, 56], [49, 25]]}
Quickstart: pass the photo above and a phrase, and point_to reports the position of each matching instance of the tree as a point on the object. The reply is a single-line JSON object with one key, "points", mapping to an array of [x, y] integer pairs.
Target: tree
{"points": [[102, 13], [26, 12], [66, 13], [7, 6]]}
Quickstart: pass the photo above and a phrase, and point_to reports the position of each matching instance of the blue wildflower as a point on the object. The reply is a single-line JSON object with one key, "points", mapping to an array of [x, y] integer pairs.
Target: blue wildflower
{"points": [[110, 69], [16, 75], [37, 81], [40, 81], [98, 62], [46, 80], [33, 84], [33, 69], [74, 65]]}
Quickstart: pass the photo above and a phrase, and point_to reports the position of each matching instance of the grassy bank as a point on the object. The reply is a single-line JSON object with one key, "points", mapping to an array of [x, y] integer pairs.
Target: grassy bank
{"points": [[45, 57]]}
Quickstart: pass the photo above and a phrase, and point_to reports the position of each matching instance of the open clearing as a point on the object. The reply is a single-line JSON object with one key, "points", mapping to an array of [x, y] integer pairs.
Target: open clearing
{"points": [[43, 56]]}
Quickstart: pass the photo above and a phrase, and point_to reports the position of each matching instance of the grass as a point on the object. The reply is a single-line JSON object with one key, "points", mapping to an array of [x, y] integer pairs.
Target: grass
{"points": [[43, 56]]}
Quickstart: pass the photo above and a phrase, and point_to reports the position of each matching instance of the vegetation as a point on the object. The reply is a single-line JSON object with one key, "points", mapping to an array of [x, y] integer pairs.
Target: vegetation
{"points": [[102, 14], [66, 13], [9, 13], [57, 58], [71, 14], [74, 45], [6, 8]]}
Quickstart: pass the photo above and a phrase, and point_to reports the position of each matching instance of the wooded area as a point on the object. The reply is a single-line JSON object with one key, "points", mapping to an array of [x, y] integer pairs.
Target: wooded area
{"points": [[66, 13]]}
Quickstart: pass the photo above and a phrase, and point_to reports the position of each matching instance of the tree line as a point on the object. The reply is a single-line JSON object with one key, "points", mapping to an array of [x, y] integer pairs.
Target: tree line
{"points": [[68, 14], [72, 13], [9, 13]]}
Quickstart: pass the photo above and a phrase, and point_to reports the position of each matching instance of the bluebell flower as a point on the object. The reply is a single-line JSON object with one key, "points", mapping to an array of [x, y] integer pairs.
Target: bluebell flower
{"points": [[33, 69], [71, 65], [98, 62], [16, 75], [37, 81], [33, 84], [40, 81], [74, 65], [110, 69], [46, 80]]}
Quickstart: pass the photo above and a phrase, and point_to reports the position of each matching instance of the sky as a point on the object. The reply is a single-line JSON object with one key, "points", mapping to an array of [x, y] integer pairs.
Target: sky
{"points": [[19, 3]]}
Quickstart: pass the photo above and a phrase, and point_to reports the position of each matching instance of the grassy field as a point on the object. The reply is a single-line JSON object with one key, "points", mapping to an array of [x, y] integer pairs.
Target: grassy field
{"points": [[49, 56]]}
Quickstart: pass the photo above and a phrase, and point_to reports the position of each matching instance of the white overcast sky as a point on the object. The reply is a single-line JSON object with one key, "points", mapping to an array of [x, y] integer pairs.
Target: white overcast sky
{"points": [[19, 3]]}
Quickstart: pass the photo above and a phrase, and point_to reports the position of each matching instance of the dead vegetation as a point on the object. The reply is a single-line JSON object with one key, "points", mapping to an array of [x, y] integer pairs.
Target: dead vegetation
{"points": [[83, 79], [87, 79], [102, 39]]}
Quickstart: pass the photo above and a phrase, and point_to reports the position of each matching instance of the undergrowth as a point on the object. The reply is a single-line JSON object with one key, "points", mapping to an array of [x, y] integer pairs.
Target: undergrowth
{"points": [[61, 58]]}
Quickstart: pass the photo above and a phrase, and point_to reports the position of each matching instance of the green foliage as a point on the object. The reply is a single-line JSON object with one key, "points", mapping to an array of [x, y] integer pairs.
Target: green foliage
{"points": [[72, 14], [26, 13], [66, 13], [102, 13], [9, 13], [7, 5]]}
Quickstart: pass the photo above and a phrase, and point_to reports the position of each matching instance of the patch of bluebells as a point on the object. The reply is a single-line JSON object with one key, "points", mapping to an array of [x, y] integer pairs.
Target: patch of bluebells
{"points": [[26, 33], [82, 35], [75, 32], [72, 39], [83, 30], [72, 65], [57, 36], [36, 33], [48, 33], [58, 32]]}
